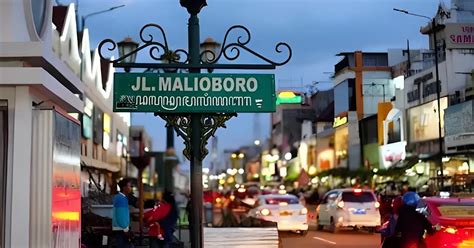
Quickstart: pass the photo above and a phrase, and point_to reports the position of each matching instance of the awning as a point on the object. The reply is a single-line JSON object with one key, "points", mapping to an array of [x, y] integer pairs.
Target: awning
{"points": [[88, 162]]}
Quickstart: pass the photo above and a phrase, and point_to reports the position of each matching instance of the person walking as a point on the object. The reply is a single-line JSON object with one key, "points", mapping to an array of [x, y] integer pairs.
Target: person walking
{"points": [[411, 224], [168, 223], [152, 218], [121, 216]]}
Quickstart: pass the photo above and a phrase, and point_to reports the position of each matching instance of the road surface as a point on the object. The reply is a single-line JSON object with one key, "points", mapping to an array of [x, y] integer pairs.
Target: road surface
{"points": [[324, 239]]}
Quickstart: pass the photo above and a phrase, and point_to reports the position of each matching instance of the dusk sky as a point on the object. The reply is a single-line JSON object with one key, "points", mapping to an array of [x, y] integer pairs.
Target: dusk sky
{"points": [[315, 29]]}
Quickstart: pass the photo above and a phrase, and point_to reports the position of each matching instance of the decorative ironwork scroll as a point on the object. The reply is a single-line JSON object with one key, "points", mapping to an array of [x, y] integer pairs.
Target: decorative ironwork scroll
{"points": [[210, 123], [182, 125], [158, 47], [231, 51]]}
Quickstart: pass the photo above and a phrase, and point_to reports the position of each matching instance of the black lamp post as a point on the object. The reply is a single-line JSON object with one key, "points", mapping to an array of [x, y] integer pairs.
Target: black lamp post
{"points": [[126, 47], [434, 29]]}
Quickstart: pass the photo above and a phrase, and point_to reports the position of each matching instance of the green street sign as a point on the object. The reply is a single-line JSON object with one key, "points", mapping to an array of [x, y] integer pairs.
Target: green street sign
{"points": [[194, 93]]}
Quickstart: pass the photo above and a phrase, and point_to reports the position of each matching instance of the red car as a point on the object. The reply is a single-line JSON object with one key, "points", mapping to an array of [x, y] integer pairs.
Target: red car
{"points": [[456, 218]]}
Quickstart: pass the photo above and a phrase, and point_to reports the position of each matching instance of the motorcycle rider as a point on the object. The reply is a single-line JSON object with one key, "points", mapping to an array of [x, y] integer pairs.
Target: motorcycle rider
{"points": [[411, 224]]}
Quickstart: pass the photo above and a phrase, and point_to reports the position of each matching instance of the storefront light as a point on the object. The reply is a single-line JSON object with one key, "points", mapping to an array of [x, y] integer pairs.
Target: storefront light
{"points": [[375, 170], [241, 155], [312, 170], [283, 172], [107, 124], [464, 167], [420, 168], [288, 156], [445, 159], [268, 157], [229, 171], [241, 171]]}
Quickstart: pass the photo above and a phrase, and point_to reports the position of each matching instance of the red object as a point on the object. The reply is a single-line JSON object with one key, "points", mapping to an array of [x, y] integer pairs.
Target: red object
{"points": [[153, 216], [456, 217], [396, 204]]}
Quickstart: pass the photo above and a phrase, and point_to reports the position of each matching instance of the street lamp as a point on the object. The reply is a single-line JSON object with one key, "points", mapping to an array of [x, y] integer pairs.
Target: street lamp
{"points": [[209, 50], [434, 29], [126, 47], [84, 18]]}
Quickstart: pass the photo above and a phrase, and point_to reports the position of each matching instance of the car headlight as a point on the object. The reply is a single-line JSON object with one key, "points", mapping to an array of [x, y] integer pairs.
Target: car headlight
{"points": [[304, 211], [265, 212]]}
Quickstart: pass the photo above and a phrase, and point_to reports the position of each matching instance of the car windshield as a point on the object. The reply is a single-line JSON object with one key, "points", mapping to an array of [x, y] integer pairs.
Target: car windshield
{"points": [[278, 200], [457, 211], [358, 197]]}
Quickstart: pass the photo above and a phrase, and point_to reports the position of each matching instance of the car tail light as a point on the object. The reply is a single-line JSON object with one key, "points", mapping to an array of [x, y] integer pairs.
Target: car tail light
{"points": [[265, 212], [304, 211], [340, 204], [377, 204], [451, 230]]}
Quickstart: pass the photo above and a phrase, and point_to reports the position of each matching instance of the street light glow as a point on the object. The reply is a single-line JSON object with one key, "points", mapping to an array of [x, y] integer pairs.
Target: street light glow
{"points": [[288, 156], [241, 171], [241, 155], [257, 142]]}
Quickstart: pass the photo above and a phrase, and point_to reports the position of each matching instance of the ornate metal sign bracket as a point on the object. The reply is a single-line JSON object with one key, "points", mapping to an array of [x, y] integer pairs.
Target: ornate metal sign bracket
{"points": [[182, 125], [208, 59]]}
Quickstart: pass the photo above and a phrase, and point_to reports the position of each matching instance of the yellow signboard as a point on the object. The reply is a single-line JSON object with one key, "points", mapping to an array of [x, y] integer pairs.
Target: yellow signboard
{"points": [[339, 121]]}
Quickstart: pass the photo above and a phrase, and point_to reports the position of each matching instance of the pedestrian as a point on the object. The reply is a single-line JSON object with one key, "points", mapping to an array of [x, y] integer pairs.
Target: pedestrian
{"points": [[121, 216], [152, 218], [168, 223], [390, 238], [411, 224]]}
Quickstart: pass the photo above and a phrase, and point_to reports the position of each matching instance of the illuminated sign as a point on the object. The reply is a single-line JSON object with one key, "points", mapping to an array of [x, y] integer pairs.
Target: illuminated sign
{"points": [[87, 118], [106, 128], [288, 97], [339, 121]]}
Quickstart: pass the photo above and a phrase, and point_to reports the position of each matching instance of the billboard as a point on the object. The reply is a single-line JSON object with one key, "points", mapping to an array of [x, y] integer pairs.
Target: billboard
{"points": [[459, 35]]}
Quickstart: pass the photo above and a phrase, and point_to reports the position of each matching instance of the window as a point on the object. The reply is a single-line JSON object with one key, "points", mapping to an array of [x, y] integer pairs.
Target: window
{"points": [[358, 197]]}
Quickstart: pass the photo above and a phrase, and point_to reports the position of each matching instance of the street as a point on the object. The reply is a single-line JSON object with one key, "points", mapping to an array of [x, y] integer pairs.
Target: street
{"points": [[322, 239]]}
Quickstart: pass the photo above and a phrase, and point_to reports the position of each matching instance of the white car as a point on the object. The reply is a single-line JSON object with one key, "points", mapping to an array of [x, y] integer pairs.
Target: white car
{"points": [[348, 208], [285, 210]]}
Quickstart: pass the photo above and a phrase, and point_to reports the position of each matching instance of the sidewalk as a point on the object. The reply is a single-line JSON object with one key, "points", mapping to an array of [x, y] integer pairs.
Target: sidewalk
{"points": [[241, 237]]}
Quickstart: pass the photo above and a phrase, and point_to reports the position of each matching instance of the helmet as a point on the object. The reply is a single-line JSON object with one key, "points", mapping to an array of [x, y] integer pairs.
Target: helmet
{"points": [[411, 199]]}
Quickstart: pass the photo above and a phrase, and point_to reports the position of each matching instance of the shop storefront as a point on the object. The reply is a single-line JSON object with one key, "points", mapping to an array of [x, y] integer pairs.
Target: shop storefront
{"points": [[325, 158], [423, 130], [39, 140], [459, 144]]}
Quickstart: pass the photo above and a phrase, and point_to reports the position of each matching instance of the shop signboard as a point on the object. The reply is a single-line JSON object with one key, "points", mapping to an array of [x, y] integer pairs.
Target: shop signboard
{"points": [[194, 93], [459, 129], [460, 35], [392, 153]]}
